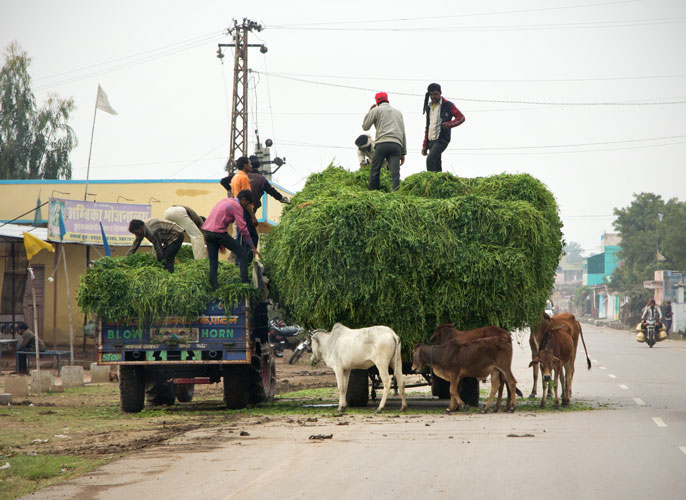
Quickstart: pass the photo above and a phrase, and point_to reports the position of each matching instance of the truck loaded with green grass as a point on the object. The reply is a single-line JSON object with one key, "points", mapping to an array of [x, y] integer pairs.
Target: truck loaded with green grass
{"points": [[441, 249], [168, 332]]}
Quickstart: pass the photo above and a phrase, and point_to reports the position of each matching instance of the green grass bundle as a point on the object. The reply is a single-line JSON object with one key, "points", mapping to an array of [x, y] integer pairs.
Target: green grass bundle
{"points": [[138, 287], [442, 249]]}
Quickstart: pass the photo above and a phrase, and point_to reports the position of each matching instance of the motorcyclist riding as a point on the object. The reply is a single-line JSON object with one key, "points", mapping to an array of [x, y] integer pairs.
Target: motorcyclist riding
{"points": [[651, 312]]}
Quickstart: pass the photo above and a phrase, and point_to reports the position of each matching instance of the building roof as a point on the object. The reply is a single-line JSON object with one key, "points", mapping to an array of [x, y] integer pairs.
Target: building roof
{"points": [[16, 231]]}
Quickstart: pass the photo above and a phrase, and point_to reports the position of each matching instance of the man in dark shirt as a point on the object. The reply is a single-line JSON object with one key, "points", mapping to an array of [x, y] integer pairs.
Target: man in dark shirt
{"points": [[258, 186], [27, 343], [166, 238]]}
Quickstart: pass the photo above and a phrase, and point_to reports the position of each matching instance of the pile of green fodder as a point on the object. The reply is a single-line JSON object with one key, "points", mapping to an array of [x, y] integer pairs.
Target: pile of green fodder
{"points": [[138, 288], [473, 252]]}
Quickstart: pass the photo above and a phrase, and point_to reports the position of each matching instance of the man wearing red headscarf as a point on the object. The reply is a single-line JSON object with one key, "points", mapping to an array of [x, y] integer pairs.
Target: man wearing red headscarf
{"points": [[390, 141]]}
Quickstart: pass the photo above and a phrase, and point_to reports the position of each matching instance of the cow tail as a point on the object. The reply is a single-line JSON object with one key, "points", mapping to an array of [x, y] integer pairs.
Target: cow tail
{"points": [[581, 332]]}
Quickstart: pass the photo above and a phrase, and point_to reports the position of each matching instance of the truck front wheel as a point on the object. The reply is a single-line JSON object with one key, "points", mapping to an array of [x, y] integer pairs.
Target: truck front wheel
{"points": [[132, 388]]}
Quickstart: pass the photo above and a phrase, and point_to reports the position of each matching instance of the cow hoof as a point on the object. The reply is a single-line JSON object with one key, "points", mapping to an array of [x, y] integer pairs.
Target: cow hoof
{"points": [[532, 395], [565, 403], [403, 408], [542, 404]]}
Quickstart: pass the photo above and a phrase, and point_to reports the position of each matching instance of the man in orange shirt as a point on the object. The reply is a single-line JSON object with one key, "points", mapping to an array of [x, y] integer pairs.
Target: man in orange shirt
{"points": [[240, 182]]}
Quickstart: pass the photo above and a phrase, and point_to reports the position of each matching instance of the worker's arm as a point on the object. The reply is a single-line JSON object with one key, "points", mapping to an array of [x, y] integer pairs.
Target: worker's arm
{"points": [[458, 118], [135, 245], [369, 119]]}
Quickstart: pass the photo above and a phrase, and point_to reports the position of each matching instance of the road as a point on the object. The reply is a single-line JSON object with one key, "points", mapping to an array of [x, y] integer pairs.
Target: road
{"points": [[632, 448]]}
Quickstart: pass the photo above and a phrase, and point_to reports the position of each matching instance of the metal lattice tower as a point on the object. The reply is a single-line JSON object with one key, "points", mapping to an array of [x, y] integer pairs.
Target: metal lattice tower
{"points": [[239, 109]]}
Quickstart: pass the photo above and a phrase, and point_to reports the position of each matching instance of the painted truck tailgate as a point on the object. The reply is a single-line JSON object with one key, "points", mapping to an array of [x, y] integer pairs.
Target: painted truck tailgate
{"points": [[217, 336]]}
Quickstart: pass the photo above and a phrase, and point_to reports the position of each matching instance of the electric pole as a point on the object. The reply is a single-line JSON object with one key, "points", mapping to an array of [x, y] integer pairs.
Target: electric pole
{"points": [[239, 109]]}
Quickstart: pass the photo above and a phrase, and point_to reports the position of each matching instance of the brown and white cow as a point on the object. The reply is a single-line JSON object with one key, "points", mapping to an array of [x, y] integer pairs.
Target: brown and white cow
{"points": [[477, 358], [548, 323], [447, 331]]}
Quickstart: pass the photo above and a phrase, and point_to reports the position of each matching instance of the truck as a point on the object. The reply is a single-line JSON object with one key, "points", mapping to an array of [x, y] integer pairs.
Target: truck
{"points": [[164, 359]]}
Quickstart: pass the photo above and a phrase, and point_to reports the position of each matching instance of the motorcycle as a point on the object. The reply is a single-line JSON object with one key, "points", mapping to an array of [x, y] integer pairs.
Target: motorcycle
{"points": [[282, 336], [304, 346], [649, 332]]}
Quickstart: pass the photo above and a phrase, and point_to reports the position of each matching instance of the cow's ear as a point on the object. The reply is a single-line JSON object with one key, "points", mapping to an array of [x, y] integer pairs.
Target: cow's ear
{"points": [[533, 362]]}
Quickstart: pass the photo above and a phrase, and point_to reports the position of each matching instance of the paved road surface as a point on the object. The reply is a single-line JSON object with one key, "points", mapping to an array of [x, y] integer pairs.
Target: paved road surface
{"points": [[634, 449]]}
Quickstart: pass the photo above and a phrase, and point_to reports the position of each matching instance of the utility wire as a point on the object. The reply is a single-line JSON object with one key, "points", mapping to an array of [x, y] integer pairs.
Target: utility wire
{"points": [[500, 101], [428, 18]]}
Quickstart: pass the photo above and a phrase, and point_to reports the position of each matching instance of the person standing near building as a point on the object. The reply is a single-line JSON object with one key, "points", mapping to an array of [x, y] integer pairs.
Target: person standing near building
{"points": [[225, 212], [166, 238], [441, 116], [390, 143], [667, 316], [192, 223]]}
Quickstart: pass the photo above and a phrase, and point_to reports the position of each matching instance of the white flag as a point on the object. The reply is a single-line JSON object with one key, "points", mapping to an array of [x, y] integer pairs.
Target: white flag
{"points": [[103, 103]]}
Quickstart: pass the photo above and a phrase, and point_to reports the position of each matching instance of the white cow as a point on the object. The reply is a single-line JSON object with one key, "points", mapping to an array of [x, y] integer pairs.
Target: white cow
{"points": [[344, 349]]}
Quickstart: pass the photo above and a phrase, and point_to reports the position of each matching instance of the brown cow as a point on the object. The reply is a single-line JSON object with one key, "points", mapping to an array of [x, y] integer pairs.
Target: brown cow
{"points": [[447, 331], [477, 358], [547, 323], [556, 358]]}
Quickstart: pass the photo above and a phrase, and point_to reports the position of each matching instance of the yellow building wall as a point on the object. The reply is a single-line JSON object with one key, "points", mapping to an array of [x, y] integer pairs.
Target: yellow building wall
{"points": [[17, 197]]}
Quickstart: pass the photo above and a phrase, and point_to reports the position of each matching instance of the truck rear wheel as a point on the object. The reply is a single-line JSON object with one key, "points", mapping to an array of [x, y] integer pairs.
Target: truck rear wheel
{"points": [[184, 392], [159, 390], [469, 391], [358, 388], [236, 387], [132, 388]]}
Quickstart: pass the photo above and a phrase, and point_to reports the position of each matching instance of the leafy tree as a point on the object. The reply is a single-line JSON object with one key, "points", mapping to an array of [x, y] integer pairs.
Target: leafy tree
{"points": [[643, 235], [35, 142], [573, 250]]}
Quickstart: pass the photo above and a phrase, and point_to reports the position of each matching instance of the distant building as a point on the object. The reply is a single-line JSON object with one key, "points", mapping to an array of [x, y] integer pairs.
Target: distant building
{"points": [[601, 303]]}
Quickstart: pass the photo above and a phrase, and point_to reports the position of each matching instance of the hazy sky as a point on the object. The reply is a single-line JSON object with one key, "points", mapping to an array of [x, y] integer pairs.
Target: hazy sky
{"points": [[564, 90]]}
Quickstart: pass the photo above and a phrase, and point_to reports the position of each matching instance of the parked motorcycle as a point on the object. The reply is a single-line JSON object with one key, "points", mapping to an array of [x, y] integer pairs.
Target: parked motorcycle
{"points": [[282, 336], [304, 346]]}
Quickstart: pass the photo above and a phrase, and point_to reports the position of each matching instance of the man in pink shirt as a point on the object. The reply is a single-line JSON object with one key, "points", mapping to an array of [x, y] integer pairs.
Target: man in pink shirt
{"points": [[214, 230]]}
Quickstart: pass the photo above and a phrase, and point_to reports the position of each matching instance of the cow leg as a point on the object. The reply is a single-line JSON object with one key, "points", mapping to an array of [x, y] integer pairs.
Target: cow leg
{"points": [[535, 368], [512, 385], [495, 386], [399, 377], [455, 400], [386, 379], [342, 377], [501, 386], [556, 379], [544, 394], [567, 392]]}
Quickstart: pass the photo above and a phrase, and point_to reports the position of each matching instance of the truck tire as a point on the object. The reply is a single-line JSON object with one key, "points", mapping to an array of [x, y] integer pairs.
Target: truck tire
{"points": [[358, 388], [159, 390], [262, 379], [132, 388], [469, 392], [236, 387], [184, 392]]}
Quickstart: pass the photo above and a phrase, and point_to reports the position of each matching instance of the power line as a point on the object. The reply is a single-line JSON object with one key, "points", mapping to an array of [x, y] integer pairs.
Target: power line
{"points": [[464, 80], [429, 18], [125, 65], [468, 99], [522, 27]]}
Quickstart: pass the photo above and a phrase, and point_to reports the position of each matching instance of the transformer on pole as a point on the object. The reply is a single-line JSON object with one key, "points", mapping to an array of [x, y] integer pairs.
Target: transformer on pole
{"points": [[239, 109]]}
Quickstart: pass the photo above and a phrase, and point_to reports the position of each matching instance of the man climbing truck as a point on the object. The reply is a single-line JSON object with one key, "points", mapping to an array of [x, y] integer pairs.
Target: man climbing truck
{"points": [[164, 360]]}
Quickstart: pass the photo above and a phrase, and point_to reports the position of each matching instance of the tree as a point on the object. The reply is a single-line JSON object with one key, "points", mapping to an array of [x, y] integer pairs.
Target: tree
{"points": [[35, 143], [643, 235], [573, 251]]}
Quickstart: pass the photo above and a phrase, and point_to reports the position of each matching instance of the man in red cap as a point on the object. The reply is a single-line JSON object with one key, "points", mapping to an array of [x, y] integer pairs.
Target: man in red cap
{"points": [[390, 141], [441, 116]]}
